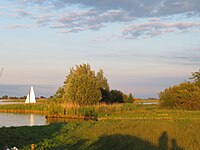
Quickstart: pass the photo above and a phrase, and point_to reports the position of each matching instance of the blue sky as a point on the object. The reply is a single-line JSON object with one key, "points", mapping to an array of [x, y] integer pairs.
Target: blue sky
{"points": [[143, 46]]}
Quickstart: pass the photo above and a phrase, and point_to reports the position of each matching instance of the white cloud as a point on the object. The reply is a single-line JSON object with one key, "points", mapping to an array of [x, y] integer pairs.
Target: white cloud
{"points": [[89, 20], [138, 8], [151, 29], [94, 15]]}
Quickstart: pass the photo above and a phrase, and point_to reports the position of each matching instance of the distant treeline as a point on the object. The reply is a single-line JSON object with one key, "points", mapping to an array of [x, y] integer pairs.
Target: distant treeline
{"points": [[21, 97]]}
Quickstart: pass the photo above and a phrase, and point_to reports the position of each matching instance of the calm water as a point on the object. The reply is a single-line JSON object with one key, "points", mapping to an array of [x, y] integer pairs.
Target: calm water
{"points": [[14, 119]]}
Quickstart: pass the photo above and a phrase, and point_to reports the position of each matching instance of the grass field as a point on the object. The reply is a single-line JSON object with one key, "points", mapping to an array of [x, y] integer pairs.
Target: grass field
{"points": [[120, 127], [107, 134]]}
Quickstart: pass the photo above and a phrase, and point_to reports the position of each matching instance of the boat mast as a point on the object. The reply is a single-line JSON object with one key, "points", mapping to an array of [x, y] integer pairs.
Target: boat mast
{"points": [[1, 72]]}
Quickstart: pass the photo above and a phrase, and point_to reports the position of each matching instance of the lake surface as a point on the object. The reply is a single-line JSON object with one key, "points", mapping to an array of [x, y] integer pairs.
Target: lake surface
{"points": [[16, 120]]}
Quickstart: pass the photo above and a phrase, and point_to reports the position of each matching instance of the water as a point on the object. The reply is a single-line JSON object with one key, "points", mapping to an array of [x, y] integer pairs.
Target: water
{"points": [[8, 102], [16, 120], [149, 103]]}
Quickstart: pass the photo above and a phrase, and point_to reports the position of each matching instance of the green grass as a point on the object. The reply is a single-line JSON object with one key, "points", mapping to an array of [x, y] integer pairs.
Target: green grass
{"points": [[120, 126], [107, 134], [24, 107], [155, 112]]}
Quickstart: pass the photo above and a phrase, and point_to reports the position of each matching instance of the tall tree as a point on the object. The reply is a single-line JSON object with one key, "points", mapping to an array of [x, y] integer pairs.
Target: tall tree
{"points": [[104, 87], [82, 86], [103, 83]]}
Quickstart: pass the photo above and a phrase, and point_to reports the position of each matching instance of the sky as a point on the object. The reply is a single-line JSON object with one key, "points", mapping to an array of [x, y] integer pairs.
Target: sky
{"points": [[143, 46]]}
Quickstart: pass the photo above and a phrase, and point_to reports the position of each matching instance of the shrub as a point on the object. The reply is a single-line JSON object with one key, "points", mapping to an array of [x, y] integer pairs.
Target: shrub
{"points": [[185, 95]]}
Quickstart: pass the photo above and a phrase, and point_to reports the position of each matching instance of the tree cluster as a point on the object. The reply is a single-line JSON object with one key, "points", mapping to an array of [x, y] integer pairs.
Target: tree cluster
{"points": [[186, 95], [83, 87]]}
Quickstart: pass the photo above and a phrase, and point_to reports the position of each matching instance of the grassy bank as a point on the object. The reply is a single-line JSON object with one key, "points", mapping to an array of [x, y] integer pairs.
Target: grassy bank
{"points": [[121, 111], [120, 126], [107, 134], [102, 111]]}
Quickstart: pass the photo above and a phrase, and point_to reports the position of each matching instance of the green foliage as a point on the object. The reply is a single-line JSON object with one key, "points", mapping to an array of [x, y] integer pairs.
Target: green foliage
{"points": [[102, 80], [105, 96], [116, 96], [185, 95], [54, 108], [104, 87], [59, 93], [5, 97], [106, 134], [90, 114], [23, 137], [82, 86], [128, 98], [196, 78]]}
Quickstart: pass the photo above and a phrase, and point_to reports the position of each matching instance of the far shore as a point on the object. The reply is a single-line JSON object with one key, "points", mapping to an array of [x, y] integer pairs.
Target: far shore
{"points": [[24, 111]]}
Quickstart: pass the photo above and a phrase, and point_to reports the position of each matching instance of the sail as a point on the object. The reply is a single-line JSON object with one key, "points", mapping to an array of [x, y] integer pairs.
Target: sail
{"points": [[27, 98], [31, 96]]}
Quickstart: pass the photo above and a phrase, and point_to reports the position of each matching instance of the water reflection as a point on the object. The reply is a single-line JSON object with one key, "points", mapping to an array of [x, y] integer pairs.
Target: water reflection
{"points": [[31, 119], [14, 119]]}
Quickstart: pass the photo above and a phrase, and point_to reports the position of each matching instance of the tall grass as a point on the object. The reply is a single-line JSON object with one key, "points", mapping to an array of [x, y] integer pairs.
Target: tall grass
{"points": [[120, 111], [38, 107], [102, 110]]}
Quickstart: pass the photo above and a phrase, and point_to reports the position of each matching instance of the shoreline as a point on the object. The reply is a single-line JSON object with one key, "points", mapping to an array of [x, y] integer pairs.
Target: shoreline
{"points": [[23, 111]]}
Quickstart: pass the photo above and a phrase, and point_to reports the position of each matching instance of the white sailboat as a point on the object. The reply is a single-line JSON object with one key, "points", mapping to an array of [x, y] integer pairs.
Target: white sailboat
{"points": [[31, 96]]}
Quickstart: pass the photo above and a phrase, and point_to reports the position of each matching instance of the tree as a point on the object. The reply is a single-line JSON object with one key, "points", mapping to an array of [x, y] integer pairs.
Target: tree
{"points": [[116, 96], [103, 85], [58, 96], [196, 77], [5, 97], [59, 93], [81, 86], [185, 95], [130, 98]]}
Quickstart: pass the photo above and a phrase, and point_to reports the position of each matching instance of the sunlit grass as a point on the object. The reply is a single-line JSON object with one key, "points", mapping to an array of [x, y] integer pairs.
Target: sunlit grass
{"points": [[108, 134], [102, 111], [23, 108], [120, 126]]}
